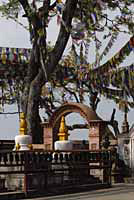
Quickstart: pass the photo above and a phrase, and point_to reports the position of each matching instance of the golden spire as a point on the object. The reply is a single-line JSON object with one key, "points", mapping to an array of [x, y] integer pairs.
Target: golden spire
{"points": [[23, 124], [59, 1], [17, 147], [63, 132]]}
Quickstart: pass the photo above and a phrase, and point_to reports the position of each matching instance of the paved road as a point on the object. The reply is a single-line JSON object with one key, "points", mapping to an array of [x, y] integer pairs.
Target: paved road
{"points": [[117, 192]]}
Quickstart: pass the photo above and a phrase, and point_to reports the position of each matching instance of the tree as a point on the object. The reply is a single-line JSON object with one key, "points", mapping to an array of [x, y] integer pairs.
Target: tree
{"points": [[77, 18]]}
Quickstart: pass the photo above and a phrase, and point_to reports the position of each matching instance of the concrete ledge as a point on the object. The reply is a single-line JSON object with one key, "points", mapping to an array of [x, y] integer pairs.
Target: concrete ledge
{"points": [[11, 195]]}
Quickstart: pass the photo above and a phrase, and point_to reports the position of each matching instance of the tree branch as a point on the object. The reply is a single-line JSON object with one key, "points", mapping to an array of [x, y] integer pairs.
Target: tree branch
{"points": [[114, 123], [113, 115], [64, 33], [78, 126], [26, 8], [73, 93]]}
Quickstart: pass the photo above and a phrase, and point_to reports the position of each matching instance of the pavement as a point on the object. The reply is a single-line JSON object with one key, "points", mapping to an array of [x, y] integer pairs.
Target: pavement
{"points": [[116, 192]]}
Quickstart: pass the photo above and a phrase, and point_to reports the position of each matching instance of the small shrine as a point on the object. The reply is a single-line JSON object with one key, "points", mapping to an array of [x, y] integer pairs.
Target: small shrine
{"points": [[123, 142], [131, 147], [23, 142], [126, 144], [63, 143], [126, 148]]}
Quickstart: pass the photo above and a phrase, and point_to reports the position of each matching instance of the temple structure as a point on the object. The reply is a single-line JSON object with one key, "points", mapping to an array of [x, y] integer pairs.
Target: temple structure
{"points": [[53, 128], [126, 144]]}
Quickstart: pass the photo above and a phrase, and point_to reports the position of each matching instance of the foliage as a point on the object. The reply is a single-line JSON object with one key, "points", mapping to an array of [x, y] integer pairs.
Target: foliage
{"points": [[83, 20]]}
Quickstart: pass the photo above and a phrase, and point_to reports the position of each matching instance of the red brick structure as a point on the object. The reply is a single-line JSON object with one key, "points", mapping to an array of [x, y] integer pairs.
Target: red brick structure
{"points": [[96, 125], [96, 131]]}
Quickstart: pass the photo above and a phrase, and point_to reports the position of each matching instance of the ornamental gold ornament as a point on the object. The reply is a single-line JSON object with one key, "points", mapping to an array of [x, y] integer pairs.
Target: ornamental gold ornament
{"points": [[23, 124]]}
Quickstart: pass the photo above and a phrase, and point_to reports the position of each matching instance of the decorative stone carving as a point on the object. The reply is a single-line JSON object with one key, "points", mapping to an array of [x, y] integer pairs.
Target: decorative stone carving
{"points": [[23, 142], [63, 145]]}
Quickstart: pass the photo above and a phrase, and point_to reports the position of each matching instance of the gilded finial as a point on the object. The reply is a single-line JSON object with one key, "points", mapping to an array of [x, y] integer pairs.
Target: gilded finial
{"points": [[30, 146], [23, 124], [63, 133], [59, 1], [17, 146]]}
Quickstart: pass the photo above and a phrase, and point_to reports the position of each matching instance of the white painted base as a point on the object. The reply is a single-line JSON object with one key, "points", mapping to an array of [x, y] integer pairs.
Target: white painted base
{"points": [[64, 145], [23, 141]]}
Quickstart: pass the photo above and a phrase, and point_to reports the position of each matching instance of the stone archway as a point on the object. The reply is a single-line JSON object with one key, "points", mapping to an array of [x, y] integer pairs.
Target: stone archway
{"points": [[95, 123], [67, 108]]}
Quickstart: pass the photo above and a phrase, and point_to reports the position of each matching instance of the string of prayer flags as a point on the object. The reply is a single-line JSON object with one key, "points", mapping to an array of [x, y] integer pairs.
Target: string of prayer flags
{"points": [[14, 55], [113, 92], [109, 45], [94, 17], [123, 53], [118, 58], [122, 78], [87, 48], [78, 30], [59, 6], [131, 43]]}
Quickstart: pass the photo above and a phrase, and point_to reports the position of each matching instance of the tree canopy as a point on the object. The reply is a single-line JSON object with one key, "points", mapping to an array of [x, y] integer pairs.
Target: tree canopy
{"points": [[38, 72]]}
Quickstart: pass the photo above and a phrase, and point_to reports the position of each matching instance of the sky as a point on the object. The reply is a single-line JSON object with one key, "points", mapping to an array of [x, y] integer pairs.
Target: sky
{"points": [[13, 35]]}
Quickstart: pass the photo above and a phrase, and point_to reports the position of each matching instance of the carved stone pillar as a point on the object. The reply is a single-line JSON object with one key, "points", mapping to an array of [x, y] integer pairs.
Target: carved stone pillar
{"points": [[47, 136], [95, 134]]}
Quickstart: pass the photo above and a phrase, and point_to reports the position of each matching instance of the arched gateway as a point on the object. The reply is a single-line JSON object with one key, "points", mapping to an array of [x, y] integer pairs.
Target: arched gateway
{"points": [[96, 124]]}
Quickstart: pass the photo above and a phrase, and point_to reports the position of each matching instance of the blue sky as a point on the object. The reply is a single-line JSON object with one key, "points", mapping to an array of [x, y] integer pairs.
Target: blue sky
{"points": [[13, 35]]}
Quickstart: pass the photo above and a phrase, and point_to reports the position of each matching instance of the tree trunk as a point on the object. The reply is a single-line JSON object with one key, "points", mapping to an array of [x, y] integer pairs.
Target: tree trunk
{"points": [[30, 101], [33, 118], [36, 77]]}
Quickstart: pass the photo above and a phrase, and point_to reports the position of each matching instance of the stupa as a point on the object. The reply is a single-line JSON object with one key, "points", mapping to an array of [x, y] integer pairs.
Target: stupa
{"points": [[63, 144], [23, 142]]}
